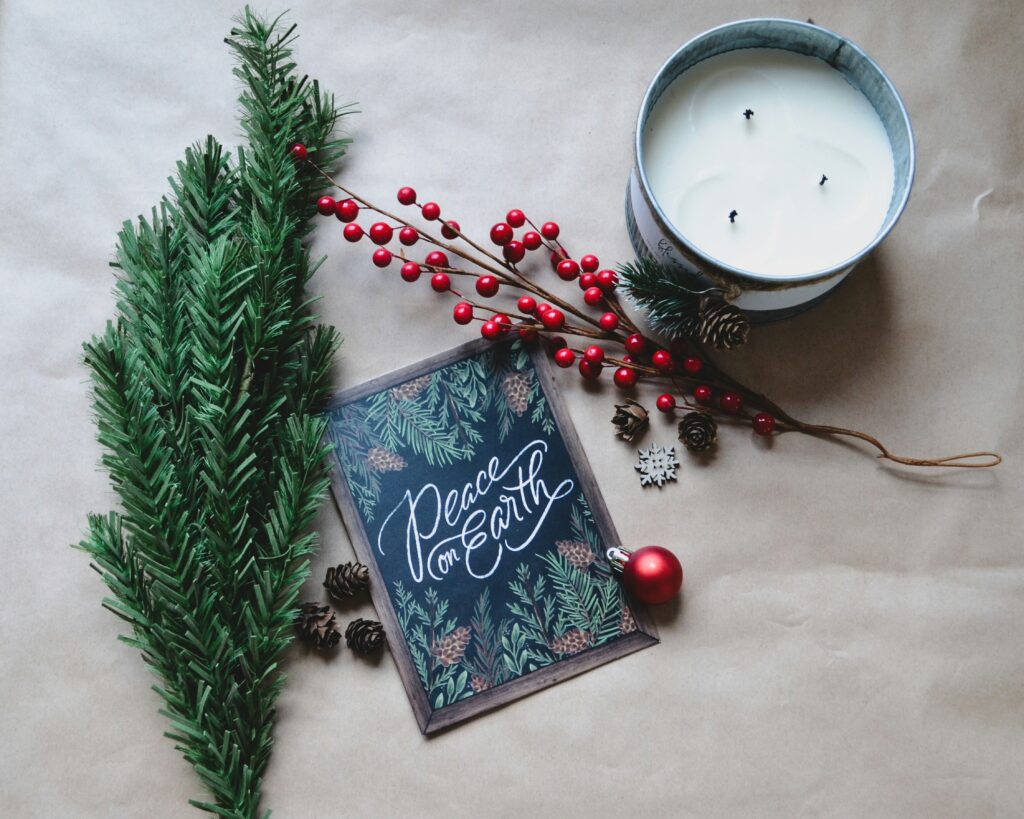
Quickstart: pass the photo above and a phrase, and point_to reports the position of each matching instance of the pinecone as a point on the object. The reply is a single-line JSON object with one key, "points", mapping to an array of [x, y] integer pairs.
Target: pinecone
{"points": [[721, 325], [627, 625], [572, 642], [517, 391], [364, 636], [449, 649], [478, 683], [631, 420], [345, 579], [576, 552], [411, 389], [384, 460], [698, 431], [317, 626]]}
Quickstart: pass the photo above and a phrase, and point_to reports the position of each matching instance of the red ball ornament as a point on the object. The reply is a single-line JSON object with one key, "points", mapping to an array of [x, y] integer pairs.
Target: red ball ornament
{"points": [[593, 296], [514, 251], [568, 269], [652, 574], [532, 240], [440, 282], [487, 286], [550, 230], [410, 271], [451, 229], [608, 321], [606, 280], [625, 377], [381, 233], [353, 232], [635, 343], [666, 402], [430, 211], [436, 258], [692, 365], [516, 218], [526, 304], [298, 151], [763, 423], [587, 280], [731, 401], [702, 393], [382, 257], [564, 357], [553, 319], [406, 196], [325, 205], [501, 233], [589, 370], [590, 263], [490, 329], [594, 354], [662, 360], [346, 210], [408, 236], [463, 312]]}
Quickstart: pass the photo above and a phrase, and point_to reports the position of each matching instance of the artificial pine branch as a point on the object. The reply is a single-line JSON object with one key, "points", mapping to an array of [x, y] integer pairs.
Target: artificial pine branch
{"points": [[673, 307], [206, 387]]}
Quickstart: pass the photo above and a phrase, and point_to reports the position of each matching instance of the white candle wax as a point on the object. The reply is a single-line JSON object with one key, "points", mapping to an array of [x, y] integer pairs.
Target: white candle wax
{"points": [[704, 159]]}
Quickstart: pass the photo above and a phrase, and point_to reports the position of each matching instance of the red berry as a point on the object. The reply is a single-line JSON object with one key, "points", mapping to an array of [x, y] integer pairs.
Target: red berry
{"points": [[606, 280], [702, 393], [381, 233], [557, 342], [731, 401], [543, 308], [528, 334], [532, 240], [406, 196], [382, 257], [662, 359], [564, 357], [408, 236], [666, 402], [410, 271], [516, 218], [589, 370], [625, 377], [556, 257], [487, 286], [553, 319], [490, 329], [501, 233], [594, 296], [353, 232], [325, 204], [568, 269], [590, 263], [298, 151], [594, 354], [608, 321], [436, 258], [451, 229], [431, 210], [346, 210], [502, 319], [526, 304], [463, 312], [635, 343], [549, 230], [440, 282], [692, 365], [588, 280], [514, 251], [763, 423], [628, 359]]}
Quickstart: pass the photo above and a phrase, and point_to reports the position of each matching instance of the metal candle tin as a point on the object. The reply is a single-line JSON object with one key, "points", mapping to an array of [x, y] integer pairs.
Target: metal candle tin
{"points": [[766, 298]]}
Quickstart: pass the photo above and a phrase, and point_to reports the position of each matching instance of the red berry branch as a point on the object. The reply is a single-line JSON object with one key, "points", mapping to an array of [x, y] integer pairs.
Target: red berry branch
{"points": [[603, 333]]}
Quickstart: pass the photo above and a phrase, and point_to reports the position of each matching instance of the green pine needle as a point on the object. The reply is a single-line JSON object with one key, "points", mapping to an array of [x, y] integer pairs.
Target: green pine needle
{"points": [[672, 305]]}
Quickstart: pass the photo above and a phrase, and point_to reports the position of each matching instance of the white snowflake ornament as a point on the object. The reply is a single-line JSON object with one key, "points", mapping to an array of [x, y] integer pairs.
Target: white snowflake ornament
{"points": [[657, 464]]}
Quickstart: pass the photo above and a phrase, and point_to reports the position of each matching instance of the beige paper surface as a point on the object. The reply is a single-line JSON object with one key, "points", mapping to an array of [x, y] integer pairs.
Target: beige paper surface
{"points": [[850, 638]]}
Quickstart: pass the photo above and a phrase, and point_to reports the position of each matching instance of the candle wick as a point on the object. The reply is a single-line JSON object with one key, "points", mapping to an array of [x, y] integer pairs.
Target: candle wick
{"points": [[732, 215], [823, 179], [748, 113]]}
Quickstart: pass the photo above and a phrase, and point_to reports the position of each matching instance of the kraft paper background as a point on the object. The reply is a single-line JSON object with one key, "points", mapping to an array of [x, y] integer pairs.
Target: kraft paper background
{"points": [[850, 640]]}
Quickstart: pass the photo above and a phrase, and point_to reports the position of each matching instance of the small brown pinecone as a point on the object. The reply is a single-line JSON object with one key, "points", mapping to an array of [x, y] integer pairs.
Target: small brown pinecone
{"points": [[364, 636], [630, 419], [449, 649], [698, 431], [479, 684], [576, 552], [411, 389], [317, 626], [517, 391], [721, 324], [627, 625], [345, 579], [572, 642], [384, 460]]}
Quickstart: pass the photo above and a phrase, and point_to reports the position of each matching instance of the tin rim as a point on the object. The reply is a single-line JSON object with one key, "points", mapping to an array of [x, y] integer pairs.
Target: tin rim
{"points": [[701, 257]]}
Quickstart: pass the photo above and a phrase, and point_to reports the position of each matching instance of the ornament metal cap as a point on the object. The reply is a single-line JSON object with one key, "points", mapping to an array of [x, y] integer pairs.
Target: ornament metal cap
{"points": [[617, 558]]}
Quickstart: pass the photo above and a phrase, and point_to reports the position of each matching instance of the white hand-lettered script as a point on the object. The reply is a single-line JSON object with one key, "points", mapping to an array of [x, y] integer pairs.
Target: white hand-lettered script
{"points": [[500, 511]]}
